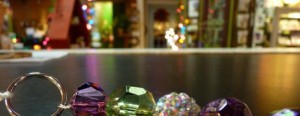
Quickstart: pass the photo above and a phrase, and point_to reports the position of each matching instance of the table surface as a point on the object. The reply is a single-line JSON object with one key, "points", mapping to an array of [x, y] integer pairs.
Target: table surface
{"points": [[265, 81]]}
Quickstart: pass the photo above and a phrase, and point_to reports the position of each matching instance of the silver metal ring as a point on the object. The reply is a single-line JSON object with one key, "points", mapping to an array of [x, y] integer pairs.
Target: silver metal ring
{"points": [[14, 84]]}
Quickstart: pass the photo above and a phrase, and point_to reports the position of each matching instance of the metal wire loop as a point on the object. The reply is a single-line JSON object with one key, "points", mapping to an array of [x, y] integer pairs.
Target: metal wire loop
{"points": [[21, 79]]}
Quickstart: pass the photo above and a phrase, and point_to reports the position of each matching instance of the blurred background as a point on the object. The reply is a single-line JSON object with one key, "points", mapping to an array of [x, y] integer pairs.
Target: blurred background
{"points": [[89, 31], [176, 24]]}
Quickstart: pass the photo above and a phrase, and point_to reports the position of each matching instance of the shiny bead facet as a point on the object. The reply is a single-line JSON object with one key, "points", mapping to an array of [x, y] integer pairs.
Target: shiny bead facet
{"points": [[89, 99], [286, 112], [226, 107], [130, 100], [174, 104]]}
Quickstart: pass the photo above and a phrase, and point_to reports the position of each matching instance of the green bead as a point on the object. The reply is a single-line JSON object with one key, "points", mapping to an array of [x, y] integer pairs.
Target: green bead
{"points": [[130, 101]]}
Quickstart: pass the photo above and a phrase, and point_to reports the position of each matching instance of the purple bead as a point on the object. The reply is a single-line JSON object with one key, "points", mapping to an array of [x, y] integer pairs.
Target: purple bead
{"points": [[287, 112], [226, 107], [89, 99]]}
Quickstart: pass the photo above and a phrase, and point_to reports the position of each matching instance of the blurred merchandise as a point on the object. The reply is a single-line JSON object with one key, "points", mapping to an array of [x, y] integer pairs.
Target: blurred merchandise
{"points": [[64, 24], [286, 28]]}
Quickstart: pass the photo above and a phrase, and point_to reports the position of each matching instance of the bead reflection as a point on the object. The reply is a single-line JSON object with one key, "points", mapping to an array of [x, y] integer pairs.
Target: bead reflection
{"points": [[286, 112]]}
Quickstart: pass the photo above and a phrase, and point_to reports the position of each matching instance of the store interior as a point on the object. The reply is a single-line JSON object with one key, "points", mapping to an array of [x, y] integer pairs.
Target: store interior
{"points": [[149, 57], [101, 24]]}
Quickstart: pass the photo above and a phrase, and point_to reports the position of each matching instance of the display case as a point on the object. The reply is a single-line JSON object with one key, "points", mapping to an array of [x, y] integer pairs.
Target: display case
{"points": [[258, 35], [213, 23], [227, 23], [286, 27], [243, 26]]}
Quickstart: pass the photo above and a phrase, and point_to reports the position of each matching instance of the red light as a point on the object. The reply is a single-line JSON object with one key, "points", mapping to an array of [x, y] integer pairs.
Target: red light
{"points": [[45, 43], [47, 39], [211, 11], [49, 48], [181, 17], [178, 10]]}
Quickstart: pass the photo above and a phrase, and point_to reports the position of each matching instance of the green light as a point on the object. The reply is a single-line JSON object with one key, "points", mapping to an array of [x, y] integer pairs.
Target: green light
{"points": [[104, 16]]}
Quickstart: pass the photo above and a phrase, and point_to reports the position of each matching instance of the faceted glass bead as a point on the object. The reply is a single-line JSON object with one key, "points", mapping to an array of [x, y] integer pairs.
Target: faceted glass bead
{"points": [[286, 112], [174, 104], [130, 100], [226, 107], [89, 99]]}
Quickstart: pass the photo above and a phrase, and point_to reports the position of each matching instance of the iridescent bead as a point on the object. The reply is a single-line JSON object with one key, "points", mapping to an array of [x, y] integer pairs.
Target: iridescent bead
{"points": [[174, 104]]}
